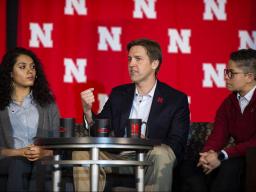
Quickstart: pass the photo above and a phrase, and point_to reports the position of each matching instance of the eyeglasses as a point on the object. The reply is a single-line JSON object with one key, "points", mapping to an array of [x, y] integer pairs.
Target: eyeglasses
{"points": [[231, 74]]}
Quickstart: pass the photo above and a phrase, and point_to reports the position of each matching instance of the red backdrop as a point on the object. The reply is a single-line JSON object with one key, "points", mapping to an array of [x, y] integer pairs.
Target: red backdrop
{"points": [[82, 43], [3, 26]]}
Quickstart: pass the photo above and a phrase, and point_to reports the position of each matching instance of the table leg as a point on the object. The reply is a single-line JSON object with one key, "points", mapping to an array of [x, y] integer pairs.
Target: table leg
{"points": [[94, 170], [140, 173], [56, 174]]}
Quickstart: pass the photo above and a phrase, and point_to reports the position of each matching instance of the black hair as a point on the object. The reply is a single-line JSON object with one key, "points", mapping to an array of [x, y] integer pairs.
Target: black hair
{"points": [[40, 90], [245, 59]]}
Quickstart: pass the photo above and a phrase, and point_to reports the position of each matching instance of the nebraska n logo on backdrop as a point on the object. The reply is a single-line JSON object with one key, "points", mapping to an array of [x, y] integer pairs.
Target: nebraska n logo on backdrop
{"points": [[85, 42]]}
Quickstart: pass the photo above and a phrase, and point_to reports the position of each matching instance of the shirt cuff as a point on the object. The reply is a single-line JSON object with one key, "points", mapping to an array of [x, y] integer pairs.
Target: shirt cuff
{"points": [[87, 125], [225, 154]]}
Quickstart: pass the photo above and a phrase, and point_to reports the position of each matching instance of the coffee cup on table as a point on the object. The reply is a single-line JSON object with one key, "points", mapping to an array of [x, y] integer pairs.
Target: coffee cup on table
{"points": [[102, 127], [134, 128], [67, 126]]}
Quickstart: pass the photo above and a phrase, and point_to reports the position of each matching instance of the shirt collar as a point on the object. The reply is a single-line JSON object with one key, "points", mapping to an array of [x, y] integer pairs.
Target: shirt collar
{"points": [[248, 95], [151, 92]]}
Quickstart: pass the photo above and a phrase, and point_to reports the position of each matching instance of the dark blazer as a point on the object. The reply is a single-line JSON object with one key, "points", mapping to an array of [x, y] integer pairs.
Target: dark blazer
{"points": [[168, 119]]}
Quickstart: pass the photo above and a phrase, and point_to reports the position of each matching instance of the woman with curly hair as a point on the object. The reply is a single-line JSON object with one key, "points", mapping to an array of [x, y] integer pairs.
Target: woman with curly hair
{"points": [[27, 110]]}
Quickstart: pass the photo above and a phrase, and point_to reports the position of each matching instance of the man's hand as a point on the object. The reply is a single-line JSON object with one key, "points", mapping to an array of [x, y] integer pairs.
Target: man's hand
{"points": [[209, 161], [213, 161], [87, 98], [202, 160]]}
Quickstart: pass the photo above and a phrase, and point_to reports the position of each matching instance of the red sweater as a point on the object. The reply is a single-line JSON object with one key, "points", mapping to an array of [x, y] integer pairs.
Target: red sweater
{"points": [[229, 121]]}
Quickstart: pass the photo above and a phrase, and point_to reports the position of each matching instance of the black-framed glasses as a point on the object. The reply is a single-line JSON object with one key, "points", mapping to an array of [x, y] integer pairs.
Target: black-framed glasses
{"points": [[231, 74]]}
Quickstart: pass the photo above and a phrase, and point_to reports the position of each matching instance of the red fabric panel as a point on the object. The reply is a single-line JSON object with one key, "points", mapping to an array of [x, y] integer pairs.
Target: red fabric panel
{"points": [[76, 36]]}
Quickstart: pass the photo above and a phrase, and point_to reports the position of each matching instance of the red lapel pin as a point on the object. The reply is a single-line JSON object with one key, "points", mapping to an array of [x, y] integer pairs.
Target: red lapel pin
{"points": [[160, 100]]}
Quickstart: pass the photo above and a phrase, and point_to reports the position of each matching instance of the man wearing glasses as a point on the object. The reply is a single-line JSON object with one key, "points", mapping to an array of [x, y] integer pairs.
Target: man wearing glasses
{"points": [[235, 118]]}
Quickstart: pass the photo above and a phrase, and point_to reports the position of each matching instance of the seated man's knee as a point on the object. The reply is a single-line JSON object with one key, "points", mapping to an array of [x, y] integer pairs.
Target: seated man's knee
{"points": [[81, 155], [162, 154]]}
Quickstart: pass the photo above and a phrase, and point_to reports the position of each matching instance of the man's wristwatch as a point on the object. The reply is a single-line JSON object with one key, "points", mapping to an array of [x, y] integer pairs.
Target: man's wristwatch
{"points": [[221, 156]]}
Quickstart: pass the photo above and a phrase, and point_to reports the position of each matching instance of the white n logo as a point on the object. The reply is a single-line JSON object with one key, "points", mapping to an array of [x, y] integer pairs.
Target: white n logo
{"points": [[246, 41], [75, 70], [111, 38], [211, 8], [181, 41], [141, 6], [43, 35], [75, 5], [213, 76]]}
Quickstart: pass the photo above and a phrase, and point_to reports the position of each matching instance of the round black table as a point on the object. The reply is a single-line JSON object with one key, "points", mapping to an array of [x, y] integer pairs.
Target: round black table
{"points": [[95, 145]]}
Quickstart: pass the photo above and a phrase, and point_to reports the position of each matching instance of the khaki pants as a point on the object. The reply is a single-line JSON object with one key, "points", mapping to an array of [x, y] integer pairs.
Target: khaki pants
{"points": [[158, 177]]}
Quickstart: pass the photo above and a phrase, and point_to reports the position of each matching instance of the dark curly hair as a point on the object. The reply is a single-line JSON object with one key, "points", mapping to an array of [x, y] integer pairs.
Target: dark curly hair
{"points": [[40, 90]]}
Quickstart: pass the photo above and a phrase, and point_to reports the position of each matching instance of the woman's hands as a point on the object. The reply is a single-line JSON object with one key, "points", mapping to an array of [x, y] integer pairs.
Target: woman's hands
{"points": [[33, 152]]}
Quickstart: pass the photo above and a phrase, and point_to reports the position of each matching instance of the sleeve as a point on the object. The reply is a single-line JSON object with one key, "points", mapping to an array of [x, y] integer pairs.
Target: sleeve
{"points": [[54, 119], [177, 138], [219, 136], [241, 148]]}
